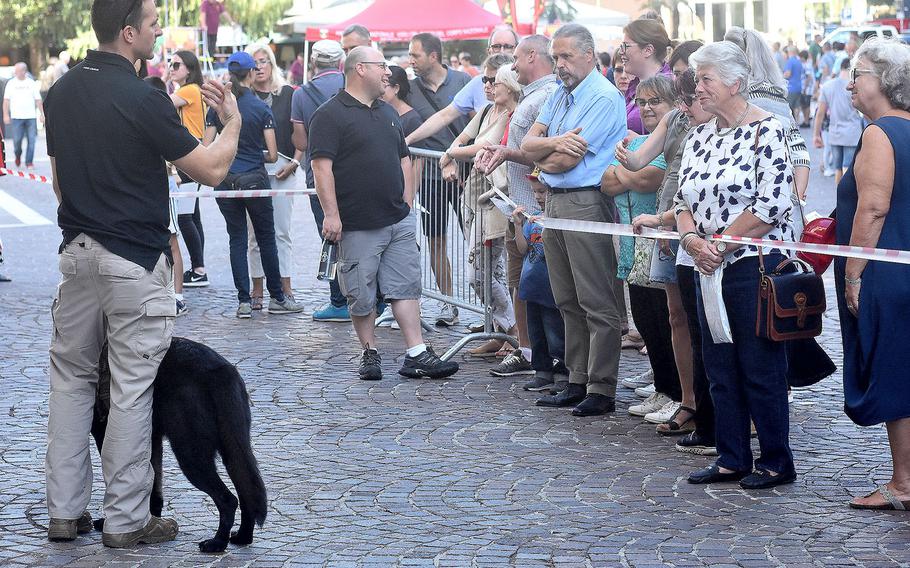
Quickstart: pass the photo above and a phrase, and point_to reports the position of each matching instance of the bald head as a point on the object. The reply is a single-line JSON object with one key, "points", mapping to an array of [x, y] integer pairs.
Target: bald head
{"points": [[359, 55], [20, 70]]}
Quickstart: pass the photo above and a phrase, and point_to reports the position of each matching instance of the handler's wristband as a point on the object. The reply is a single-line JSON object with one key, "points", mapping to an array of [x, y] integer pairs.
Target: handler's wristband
{"points": [[853, 281]]}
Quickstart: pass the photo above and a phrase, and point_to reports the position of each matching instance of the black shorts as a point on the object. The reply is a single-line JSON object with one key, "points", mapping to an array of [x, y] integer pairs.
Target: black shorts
{"points": [[438, 199]]}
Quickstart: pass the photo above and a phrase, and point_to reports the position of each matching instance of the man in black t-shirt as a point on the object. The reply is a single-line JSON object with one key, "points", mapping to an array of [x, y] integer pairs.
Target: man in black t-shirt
{"points": [[108, 136], [365, 186]]}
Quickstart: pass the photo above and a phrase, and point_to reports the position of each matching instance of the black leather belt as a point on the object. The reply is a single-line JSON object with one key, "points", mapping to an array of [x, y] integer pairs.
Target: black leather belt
{"points": [[574, 189]]}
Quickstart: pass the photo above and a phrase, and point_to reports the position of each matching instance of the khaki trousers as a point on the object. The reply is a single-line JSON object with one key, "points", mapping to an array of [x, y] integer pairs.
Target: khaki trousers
{"points": [[582, 269], [104, 296]]}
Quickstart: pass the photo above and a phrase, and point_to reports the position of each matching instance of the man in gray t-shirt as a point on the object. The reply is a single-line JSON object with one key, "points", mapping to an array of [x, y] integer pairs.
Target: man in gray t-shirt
{"points": [[845, 126]]}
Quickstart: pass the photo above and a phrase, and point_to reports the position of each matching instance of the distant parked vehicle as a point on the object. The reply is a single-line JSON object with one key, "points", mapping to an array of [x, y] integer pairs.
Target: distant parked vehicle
{"points": [[842, 34]]}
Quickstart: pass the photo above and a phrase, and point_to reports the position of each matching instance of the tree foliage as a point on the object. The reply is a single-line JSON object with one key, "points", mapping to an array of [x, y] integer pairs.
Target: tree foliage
{"points": [[42, 22], [257, 17]]}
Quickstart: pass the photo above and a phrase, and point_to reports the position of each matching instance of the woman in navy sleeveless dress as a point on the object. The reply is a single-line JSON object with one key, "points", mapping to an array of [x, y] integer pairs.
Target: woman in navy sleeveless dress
{"points": [[873, 209]]}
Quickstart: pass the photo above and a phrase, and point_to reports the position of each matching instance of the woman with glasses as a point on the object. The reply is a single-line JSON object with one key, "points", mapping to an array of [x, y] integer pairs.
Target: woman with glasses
{"points": [[270, 87], [247, 172], [644, 51], [486, 128], [621, 78], [635, 193], [873, 210], [185, 76]]}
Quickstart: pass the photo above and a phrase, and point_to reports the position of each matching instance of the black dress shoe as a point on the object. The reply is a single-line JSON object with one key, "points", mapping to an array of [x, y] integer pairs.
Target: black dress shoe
{"points": [[572, 395], [762, 479], [713, 474], [594, 405]]}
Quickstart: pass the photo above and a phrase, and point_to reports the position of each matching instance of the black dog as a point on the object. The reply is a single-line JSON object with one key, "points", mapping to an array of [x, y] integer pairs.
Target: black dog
{"points": [[201, 406]]}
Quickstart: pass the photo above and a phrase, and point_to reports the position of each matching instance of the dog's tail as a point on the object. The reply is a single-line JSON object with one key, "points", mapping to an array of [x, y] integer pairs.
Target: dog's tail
{"points": [[234, 423]]}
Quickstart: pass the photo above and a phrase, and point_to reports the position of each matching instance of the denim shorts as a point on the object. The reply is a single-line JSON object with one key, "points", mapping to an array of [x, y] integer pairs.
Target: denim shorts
{"points": [[842, 156], [663, 265]]}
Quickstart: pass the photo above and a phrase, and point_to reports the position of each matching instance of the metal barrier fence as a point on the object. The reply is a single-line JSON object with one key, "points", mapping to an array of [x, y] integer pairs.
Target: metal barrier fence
{"points": [[462, 257]]}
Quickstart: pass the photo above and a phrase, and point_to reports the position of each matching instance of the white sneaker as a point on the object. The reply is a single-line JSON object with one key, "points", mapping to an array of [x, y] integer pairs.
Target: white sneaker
{"points": [[665, 413], [828, 173], [641, 380], [645, 391], [448, 316], [651, 404]]}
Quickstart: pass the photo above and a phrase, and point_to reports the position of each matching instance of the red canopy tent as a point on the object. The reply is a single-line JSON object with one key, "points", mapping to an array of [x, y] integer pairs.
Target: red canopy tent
{"points": [[399, 20]]}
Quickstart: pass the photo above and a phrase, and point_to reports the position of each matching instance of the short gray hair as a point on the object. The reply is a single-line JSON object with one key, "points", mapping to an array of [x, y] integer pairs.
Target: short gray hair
{"points": [[890, 62], [727, 59], [498, 29], [660, 85], [584, 41], [509, 78], [497, 60], [764, 67], [361, 31], [541, 46]]}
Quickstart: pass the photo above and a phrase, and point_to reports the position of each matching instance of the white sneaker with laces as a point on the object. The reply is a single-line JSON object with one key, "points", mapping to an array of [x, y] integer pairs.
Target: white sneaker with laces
{"points": [[651, 404], [645, 392], [641, 380], [665, 413], [448, 316]]}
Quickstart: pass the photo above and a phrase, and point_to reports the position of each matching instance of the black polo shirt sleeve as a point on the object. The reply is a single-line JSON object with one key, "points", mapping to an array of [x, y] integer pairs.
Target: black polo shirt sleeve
{"points": [[156, 118], [325, 135], [49, 123]]}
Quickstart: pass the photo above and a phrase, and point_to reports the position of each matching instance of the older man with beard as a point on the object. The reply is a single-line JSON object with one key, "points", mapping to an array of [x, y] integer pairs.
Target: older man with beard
{"points": [[365, 186], [573, 142]]}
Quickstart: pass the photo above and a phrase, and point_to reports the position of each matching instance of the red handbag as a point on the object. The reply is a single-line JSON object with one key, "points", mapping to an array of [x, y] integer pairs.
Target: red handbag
{"points": [[818, 231]]}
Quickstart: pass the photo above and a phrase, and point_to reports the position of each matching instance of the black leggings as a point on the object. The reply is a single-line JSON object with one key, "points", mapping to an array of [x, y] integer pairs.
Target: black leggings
{"points": [[704, 404], [191, 228], [652, 320]]}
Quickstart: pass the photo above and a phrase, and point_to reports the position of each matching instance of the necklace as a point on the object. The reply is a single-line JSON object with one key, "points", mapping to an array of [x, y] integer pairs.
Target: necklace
{"points": [[738, 122]]}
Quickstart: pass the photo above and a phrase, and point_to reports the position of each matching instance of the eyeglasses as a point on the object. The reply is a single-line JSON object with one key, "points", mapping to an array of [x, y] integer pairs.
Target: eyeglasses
{"points": [[654, 101], [175, 65], [501, 46], [263, 62], [856, 72], [624, 46], [126, 16], [381, 64], [488, 80]]}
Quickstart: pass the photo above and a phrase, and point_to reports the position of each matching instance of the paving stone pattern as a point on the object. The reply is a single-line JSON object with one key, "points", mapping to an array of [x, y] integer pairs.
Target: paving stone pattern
{"points": [[457, 473]]}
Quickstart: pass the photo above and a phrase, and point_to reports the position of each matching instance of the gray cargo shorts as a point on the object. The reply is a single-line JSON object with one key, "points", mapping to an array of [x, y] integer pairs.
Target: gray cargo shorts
{"points": [[382, 260]]}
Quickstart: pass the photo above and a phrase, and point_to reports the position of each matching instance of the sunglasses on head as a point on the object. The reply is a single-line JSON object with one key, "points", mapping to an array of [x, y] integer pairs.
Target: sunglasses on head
{"points": [[488, 80]]}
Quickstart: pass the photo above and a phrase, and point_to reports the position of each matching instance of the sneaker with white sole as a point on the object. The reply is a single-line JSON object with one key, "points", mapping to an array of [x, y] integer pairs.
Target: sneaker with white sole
{"points": [[514, 364], [645, 391], [651, 404], [665, 413], [541, 381], [642, 380], [244, 310], [286, 306], [448, 316], [192, 279], [692, 443]]}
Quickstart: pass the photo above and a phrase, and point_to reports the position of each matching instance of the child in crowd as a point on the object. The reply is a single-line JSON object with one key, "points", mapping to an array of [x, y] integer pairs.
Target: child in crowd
{"points": [[546, 328], [173, 183]]}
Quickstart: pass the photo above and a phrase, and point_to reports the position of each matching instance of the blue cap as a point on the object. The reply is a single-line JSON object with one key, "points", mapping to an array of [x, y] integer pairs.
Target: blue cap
{"points": [[241, 60]]}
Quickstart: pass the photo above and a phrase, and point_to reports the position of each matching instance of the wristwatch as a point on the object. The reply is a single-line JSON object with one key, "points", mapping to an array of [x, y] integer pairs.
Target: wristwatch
{"points": [[721, 246]]}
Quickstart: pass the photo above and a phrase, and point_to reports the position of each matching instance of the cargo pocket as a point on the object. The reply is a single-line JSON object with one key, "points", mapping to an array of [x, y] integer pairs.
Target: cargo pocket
{"points": [[117, 268], [156, 326], [349, 280]]}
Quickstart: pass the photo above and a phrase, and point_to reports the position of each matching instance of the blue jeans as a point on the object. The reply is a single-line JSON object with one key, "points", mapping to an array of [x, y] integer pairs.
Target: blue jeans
{"points": [[337, 296], [547, 332], [748, 377], [261, 215], [25, 128]]}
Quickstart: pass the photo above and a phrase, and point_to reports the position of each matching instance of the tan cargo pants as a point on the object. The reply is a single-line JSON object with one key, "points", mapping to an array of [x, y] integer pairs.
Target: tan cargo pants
{"points": [[104, 296]]}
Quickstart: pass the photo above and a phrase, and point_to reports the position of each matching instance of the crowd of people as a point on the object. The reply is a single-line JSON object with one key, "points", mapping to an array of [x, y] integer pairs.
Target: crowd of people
{"points": [[700, 139]]}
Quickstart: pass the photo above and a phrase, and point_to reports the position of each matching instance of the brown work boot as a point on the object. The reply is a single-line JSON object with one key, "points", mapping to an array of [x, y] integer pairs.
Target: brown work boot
{"points": [[67, 529], [157, 530]]}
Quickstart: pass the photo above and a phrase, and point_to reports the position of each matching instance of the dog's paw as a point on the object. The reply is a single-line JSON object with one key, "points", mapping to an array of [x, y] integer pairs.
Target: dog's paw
{"points": [[98, 524], [241, 539], [212, 545]]}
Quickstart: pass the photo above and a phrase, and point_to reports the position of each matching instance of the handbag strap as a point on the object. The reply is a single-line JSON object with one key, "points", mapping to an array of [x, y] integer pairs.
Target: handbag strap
{"points": [[429, 97]]}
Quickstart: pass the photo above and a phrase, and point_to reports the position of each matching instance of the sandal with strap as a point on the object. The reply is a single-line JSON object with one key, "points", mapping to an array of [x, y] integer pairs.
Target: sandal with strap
{"points": [[673, 427], [256, 302], [892, 503]]}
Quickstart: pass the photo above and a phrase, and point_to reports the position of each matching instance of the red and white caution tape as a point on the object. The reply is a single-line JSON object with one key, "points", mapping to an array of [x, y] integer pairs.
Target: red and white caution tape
{"points": [[868, 253], [26, 175], [223, 194]]}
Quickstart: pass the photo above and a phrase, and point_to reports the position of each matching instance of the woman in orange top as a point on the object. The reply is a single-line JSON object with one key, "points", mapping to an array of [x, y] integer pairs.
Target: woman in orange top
{"points": [[185, 76]]}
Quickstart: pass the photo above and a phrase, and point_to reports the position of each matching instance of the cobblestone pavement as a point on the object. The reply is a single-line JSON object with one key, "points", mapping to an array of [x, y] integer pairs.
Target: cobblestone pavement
{"points": [[462, 472]]}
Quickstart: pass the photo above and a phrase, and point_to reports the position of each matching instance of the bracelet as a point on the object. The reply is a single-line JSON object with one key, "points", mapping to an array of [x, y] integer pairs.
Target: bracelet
{"points": [[295, 161], [853, 281]]}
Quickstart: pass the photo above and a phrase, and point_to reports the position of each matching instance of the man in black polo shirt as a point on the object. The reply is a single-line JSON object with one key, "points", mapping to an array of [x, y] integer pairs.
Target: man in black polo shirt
{"points": [[365, 186], [108, 136]]}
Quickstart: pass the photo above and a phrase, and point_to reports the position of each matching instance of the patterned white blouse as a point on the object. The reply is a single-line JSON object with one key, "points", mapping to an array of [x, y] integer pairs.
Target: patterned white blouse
{"points": [[722, 175]]}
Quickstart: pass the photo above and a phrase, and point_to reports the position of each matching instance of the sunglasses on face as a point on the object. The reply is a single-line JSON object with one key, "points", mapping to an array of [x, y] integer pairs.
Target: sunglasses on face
{"points": [[488, 80], [653, 102], [175, 65]]}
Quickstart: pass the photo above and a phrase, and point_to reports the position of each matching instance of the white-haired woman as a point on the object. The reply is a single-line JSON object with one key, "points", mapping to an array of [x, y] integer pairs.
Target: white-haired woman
{"points": [[270, 87], [768, 91], [873, 210], [487, 128], [735, 178]]}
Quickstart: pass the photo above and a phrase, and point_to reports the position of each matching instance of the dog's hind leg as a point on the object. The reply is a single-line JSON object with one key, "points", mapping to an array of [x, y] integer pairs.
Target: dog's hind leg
{"points": [[199, 468], [156, 499]]}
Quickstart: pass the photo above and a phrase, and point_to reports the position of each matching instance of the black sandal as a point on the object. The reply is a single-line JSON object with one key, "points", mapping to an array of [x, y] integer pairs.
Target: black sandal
{"points": [[673, 428]]}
